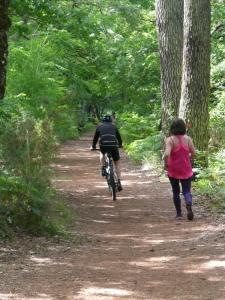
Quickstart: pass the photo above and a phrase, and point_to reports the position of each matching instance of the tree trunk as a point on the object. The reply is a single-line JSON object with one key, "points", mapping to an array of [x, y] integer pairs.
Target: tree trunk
{"points": [[169, 16], [196, 70], [4, 26]]}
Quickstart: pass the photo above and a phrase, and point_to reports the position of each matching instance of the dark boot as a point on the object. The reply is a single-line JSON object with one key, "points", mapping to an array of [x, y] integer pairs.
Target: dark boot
{"points": [[119, 186], [190, 215], [179, 216], [177, 204]]}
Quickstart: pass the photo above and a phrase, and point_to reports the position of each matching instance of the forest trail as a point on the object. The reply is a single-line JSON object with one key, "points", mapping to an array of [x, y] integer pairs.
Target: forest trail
{"points": [[129, 249]]}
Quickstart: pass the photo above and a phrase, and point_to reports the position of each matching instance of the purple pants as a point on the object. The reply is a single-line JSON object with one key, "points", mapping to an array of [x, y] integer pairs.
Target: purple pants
{"points": [[186, 191]]}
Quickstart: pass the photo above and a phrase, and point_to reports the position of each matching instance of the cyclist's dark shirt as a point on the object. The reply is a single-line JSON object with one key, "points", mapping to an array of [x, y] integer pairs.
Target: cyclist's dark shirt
{"points": [[108, 135]]}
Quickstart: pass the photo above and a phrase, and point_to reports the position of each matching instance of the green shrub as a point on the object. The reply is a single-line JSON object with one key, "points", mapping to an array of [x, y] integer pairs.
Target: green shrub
{"points": [[145, 149], [211, 181], [88, 127], [28, 146], [217, 122], [133, 126]]}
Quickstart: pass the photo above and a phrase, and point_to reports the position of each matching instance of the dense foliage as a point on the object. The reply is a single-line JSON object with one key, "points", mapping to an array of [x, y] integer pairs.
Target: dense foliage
{"points": [[70, 61]]}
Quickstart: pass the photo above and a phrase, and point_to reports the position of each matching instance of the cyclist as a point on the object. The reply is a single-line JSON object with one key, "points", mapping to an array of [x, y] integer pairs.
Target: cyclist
{"points": [[109, 141]]}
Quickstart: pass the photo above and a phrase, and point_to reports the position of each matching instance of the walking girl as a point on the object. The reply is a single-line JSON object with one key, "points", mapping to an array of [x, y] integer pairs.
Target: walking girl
{"points": [[179, 150]]}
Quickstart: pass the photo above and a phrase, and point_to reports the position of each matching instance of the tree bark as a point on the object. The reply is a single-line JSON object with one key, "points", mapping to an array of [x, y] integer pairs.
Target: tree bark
{"points": [[169, 17], [196, 70], [4, 26]]}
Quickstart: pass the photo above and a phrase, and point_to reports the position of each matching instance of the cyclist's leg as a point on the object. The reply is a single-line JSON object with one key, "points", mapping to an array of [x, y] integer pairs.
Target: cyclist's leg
{"points": [[118, 169], [116, 160], [102, 160]]}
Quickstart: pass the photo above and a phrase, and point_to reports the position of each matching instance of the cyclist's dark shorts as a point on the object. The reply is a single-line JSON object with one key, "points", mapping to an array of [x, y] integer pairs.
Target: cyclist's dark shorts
{"points": [[113, 150]]}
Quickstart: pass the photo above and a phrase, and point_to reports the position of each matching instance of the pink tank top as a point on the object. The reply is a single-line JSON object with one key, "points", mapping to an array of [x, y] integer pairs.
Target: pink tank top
{"points": [[179, 162]]}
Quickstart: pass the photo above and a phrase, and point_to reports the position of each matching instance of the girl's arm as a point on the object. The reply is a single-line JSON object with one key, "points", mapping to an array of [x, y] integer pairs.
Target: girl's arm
{"points": [[192, 148], [168, 148]]}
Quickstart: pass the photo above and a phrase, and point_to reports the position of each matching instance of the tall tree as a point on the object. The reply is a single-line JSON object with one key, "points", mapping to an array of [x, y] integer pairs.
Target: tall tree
{"points": [[4, 26], [196, 70], [169, 16]]}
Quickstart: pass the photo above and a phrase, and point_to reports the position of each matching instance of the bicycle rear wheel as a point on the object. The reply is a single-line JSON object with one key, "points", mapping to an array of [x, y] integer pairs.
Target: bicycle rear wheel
{"points": [[111, 177], [113, 187]]}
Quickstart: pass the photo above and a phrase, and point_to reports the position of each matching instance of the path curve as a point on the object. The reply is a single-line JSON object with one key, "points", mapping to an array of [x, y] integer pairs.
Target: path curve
{"points": [[129, 249]]}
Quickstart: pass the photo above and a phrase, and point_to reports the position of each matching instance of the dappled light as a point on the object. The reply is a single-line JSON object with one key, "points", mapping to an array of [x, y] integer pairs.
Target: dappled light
{"points": [[98, 291], [100, 221], [125, 249], [155, 262], [12, 296], [213, 264], [45, 261], [62, 180]]}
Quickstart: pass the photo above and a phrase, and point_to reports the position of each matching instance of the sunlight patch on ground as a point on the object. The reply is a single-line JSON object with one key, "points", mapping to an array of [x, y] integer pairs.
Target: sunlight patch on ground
{"points": [[7, 250], [101, 186], [155, 241], [97, 291], [96, 268], [81, 190], [41, 261], [62, 167], [143, 196], [154, 262], [117, 236], [126, 197], [212, 264], [194, 271], [100, 221], [104, 206], [216, 279], [68, 153], [129, 183], [108, 215], [145, 182], [18, 297], [203, 229], [61, 180]]}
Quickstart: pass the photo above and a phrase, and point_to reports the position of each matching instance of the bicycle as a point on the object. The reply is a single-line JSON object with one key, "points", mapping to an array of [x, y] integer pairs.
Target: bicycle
{"points": [[110, 175]]}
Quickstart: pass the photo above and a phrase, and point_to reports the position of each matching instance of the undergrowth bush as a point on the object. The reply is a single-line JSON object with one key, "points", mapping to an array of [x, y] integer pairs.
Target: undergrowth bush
{"points": [[133, 126], [141, 137], [147, 149], [28, 146], [211, 181], [217, 123]]}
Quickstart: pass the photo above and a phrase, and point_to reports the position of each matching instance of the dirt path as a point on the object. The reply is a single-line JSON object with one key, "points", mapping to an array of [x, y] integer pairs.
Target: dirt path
{"points": [[129, 249]]}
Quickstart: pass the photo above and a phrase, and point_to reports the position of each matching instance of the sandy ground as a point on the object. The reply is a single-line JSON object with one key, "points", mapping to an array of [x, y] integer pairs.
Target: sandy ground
{"points": [[132, 248]]}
